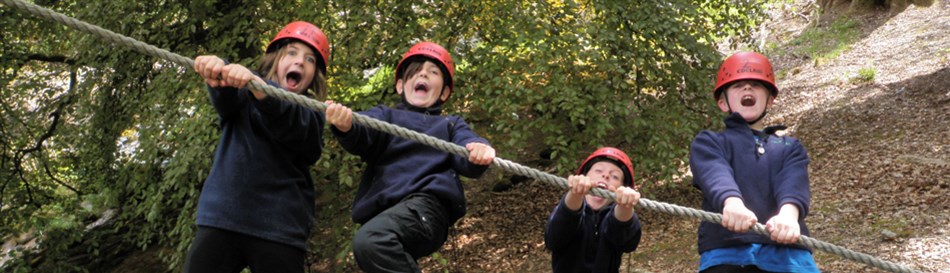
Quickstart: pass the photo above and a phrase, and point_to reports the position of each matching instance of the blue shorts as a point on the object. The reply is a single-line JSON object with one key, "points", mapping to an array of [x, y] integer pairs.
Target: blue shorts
{"points": [[773, 258]]}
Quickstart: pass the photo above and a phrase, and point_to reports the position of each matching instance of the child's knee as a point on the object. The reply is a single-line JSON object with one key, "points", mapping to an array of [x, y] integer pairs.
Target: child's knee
{"points": [[362, 243]]}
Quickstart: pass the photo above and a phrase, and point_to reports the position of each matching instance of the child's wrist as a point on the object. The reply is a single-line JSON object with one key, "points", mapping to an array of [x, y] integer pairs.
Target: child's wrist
{"points": [[733, 201], [789, 210]]}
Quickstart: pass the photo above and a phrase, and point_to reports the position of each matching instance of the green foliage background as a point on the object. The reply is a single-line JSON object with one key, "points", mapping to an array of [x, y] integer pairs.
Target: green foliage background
{"points": [[90, 127]]}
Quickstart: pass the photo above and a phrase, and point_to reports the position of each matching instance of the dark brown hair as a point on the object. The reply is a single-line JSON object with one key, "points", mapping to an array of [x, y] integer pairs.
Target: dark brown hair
{"points": [[412, 68], [414, 65]]}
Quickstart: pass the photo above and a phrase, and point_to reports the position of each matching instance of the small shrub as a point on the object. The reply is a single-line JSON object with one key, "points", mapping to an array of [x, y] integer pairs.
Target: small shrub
{"points": [[865, 74]]}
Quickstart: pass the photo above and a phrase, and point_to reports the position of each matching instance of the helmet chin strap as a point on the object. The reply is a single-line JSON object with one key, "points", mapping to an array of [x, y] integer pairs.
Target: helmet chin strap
{"points": [[764, 112]]}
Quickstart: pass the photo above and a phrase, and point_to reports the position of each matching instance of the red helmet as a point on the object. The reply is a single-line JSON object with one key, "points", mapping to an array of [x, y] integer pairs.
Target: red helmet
{"points": [[432, 51], [616, 156], [745, 66], [306, 33]]}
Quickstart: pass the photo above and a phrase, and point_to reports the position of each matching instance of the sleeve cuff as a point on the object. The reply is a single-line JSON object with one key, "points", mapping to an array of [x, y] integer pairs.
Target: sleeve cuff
{"points": [[725, 195], [615, 222], [802, 209], [563, 210]]}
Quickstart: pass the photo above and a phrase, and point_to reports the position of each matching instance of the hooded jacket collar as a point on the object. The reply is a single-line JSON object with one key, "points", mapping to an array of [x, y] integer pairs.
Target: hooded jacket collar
{"points": [[735, 120], [435, 109]]}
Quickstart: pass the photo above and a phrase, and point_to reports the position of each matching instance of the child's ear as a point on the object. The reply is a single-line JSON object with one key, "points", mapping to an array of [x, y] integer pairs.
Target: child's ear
{"points": [[723, 106], [399, 86], [771, 102], [446, 92]]}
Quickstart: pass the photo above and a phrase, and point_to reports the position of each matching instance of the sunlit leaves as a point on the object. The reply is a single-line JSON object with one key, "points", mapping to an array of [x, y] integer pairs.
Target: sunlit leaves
{"points": [[137, 133]]}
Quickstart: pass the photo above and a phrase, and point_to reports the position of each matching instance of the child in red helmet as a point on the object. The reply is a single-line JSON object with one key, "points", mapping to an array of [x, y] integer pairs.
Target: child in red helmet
{"points": [[751, 175], [586, 233], [410, 193], [257, 204]]}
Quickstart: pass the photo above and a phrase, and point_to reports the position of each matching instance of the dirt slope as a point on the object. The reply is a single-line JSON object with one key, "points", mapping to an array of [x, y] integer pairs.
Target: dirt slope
{"points": [[880, 151]]}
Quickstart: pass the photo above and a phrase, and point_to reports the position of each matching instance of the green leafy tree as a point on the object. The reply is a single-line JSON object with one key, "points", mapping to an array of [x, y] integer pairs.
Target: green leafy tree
{"points": [[90, 128]]}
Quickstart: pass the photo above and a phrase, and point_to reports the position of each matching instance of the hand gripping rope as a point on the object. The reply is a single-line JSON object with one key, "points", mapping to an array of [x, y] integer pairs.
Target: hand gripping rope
{"points": [[434, 142]]}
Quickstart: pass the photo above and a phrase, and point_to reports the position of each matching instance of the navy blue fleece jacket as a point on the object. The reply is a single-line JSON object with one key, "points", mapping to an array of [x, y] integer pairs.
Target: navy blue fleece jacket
{"points": [[397, 167], [727, 164], [260, 182], [588, 240]]}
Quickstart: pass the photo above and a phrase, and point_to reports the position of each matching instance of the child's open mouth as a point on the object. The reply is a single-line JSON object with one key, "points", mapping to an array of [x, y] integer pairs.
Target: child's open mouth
{"points": [[747, 100], [422, 87], [293, 79]]}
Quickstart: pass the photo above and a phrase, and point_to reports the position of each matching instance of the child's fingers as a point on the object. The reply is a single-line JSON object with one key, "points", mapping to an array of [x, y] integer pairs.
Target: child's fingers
{"points": [[329, 111], [339, 116], [479, 153], [209, 67], [793, 236], [746, 222], [782, 231], [485, 155], [200, 63], [473, 152], [477, 157], [213, 82], [226, 75], [627, 197], [571, 182], [620, 196], [779, 234], [748, 225], [236, 75], [579, 184], [736, 226], [489, 154], [578, 187], [587, 185], [333, 113], [738, 221]]}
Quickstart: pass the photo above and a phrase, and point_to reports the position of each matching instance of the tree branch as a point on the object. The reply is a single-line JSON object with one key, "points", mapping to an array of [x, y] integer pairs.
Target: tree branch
{"points": [[56, 115], [3, 164], [685, 103], [29, 190], [21, 153], [51, 59], [60, 182]]}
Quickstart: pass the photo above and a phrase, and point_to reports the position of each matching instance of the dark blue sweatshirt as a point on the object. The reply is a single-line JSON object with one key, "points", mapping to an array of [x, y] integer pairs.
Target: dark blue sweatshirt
{"points": [[727, 164], [588, 240], [260, 182], [397, 167]]}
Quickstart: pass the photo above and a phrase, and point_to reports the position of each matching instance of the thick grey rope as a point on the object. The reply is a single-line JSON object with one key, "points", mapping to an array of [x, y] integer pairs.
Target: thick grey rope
{"points": [[435, 142]]}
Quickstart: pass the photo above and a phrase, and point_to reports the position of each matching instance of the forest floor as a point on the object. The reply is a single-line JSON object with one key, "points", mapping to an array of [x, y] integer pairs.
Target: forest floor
{"points": [[866, 94], [871, 104]]}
